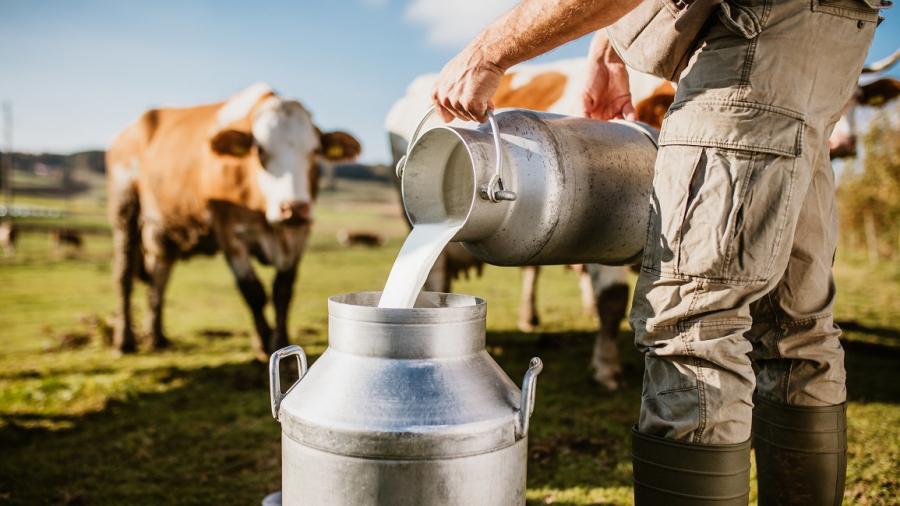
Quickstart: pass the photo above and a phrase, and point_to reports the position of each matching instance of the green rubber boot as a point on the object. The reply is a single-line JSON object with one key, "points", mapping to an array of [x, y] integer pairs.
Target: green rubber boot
{"points": [[801, 453], [672, 473]]}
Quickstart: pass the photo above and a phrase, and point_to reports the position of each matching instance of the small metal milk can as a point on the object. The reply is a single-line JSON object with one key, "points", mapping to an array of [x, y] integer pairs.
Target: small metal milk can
{"points": [[535, 188], [404, 408]]}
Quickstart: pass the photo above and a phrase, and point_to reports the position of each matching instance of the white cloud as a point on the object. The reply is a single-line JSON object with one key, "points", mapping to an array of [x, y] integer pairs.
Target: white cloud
{"points": [[453, 23]]}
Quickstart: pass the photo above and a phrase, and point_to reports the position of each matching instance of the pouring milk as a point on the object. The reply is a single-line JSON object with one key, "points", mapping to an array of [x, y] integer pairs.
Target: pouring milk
{"points": [[448, 199], [418, 254]]}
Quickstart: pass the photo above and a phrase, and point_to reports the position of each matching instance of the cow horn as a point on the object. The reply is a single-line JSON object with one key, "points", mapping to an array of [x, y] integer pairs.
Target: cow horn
{"points": [[883, 64]]}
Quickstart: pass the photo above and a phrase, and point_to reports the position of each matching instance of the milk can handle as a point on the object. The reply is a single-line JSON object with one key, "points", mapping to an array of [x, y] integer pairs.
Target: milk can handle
{"points": [[492, 191], [526, 405], [275, 393]]}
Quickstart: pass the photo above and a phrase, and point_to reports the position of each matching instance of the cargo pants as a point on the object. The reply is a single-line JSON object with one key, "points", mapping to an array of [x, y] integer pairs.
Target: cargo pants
{"points": [[735, 293]]}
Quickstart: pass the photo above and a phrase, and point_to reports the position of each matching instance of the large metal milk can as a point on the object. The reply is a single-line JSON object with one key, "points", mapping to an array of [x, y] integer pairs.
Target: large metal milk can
{"points": [[535, 188], [405, 407]]}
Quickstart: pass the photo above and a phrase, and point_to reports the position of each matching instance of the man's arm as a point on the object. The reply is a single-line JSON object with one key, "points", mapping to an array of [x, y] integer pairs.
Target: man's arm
{"points": [[607, 93], [532, 28]]}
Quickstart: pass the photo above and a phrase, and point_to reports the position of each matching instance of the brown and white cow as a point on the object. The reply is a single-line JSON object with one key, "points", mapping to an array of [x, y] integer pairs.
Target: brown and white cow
{"points": [[238, 176], [873, 90]]}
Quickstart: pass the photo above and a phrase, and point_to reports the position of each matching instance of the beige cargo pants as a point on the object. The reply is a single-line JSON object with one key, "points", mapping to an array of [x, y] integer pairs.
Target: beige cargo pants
{"points": [[735, 293]]}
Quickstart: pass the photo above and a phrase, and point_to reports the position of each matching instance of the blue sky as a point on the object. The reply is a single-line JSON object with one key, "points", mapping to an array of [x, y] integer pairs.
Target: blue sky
{"points": [[78, 71]]}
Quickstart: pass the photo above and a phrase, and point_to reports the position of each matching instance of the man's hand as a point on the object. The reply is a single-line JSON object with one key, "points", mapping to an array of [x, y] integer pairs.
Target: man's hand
{"points": [[607, 94], [465, 87], [533, 27]]}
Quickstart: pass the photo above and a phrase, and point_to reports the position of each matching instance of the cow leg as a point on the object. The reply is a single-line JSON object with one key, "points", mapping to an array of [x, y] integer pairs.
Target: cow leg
{"points": [[588, 301], [528, 314], [282, 293], [126, 255], [612, 302], [158, 269], [255, 296]]}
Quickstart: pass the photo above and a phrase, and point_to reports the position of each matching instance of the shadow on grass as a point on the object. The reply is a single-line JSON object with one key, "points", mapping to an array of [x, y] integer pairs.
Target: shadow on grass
{"points": [[580, 431], [872, 372], [881, 332], [207, 437]]}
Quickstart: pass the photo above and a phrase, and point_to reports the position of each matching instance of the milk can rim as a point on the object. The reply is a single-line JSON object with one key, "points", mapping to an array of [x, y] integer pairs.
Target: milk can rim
{"points": [[460, 134], [343, 306]]}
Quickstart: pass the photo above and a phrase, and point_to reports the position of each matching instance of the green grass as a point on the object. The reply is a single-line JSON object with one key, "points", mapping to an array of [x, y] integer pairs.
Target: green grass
{"points": [[191, 425]]}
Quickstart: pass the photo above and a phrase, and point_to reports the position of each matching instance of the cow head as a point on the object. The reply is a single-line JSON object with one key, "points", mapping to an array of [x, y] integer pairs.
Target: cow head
{"points": [[276, 139], [843, 140], [877, 92]]}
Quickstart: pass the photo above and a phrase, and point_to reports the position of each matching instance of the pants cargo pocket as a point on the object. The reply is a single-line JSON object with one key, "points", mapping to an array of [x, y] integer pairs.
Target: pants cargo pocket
{"points": [[725, 192], [671, 398]]}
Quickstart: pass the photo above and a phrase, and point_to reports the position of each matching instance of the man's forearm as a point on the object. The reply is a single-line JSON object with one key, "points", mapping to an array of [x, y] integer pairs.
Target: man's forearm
{"points": [[469, 80], [534, 27]]}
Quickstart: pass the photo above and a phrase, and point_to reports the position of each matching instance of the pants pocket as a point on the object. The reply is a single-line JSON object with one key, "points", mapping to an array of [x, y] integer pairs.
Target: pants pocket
{"points": [[724, 193], [734, 226], [719, 214], [670, 403], [741, 19]]}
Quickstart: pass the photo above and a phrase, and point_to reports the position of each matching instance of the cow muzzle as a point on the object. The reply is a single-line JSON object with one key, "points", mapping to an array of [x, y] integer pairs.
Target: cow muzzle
{"points": [[296, 212], [842, 146]]}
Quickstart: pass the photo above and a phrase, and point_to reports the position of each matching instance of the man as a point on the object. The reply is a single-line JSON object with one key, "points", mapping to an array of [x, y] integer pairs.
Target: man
{"points": [[732, 308]]}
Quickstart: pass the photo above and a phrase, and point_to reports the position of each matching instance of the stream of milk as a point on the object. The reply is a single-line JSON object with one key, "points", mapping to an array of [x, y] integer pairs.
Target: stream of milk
{"points": [[422, 247]]}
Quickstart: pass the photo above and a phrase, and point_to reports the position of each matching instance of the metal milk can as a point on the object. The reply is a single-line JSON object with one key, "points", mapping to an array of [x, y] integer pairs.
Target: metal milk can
{"points": [[535, 188], [405, 407]]}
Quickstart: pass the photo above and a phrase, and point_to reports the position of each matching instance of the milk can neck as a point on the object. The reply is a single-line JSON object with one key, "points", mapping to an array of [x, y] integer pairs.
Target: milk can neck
{"points": [[441, 325], [444, 178]]}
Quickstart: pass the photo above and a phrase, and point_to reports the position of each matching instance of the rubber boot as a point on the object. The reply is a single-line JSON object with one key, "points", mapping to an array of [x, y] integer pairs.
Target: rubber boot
{"points": [[801, 453], [672, 473]]}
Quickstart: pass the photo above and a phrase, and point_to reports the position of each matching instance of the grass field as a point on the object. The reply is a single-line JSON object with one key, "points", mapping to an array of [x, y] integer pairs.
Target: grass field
{"points": [[191, 425]]}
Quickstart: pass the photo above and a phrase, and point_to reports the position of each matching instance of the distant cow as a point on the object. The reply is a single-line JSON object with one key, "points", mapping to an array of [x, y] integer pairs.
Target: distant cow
{"points": [[238, 176], [66, 238], [9, 234], [349, 238]]}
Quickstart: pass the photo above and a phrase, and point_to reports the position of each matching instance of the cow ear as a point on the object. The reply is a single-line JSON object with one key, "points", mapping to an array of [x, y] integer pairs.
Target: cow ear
{"points": [[231, 143], [880, 92], [338, 146]]}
